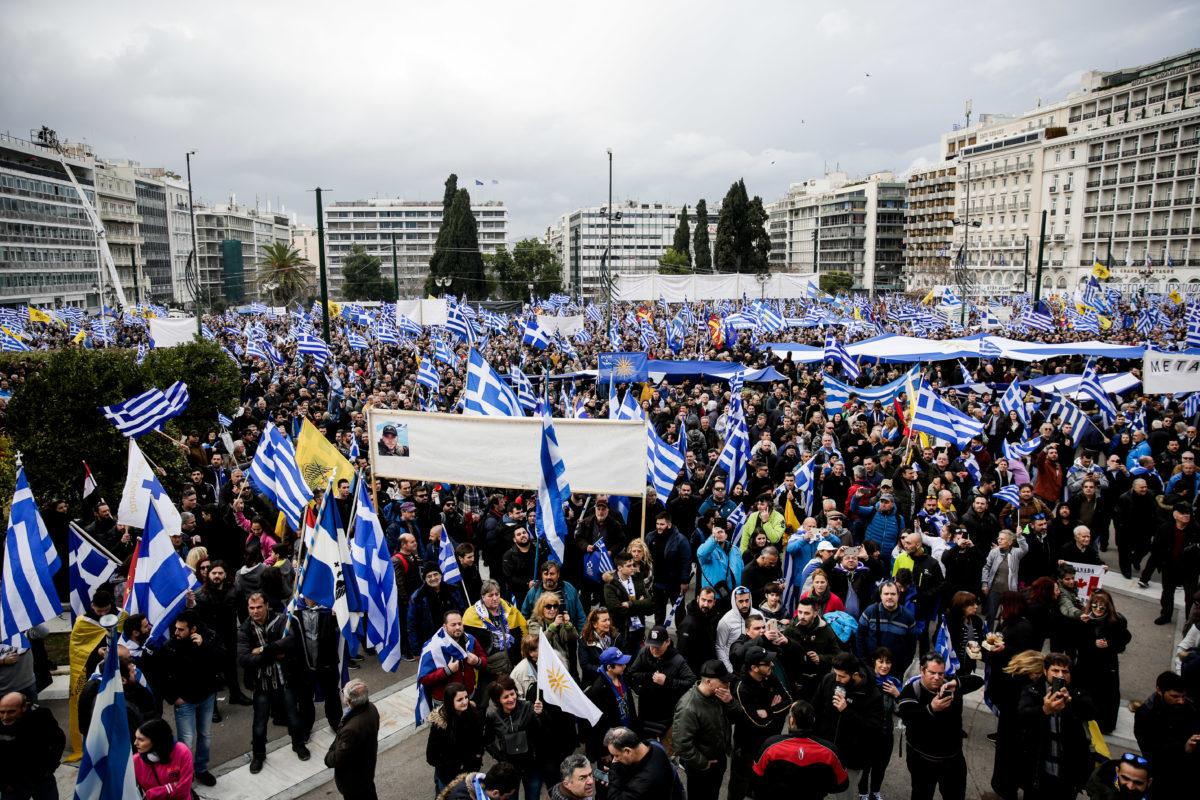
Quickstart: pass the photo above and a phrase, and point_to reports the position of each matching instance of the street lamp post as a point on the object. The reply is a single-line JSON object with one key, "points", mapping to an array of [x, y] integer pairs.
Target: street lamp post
{"points": [[195, 249], [762, 277], [609, 214], [321, 262], [443, 283]]}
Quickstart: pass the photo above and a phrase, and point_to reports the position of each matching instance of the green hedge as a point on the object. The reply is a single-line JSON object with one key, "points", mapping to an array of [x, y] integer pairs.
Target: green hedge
{"points": [[55, 422]]}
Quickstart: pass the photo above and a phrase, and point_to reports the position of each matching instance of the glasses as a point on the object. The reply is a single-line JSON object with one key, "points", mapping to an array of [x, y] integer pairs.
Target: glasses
{"points": [[1134, 758], [554, 606], [203, 567]]}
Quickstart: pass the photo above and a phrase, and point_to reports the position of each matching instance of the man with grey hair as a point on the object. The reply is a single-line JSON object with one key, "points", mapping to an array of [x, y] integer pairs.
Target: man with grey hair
{"points": [[577, 780], [352, 754]]}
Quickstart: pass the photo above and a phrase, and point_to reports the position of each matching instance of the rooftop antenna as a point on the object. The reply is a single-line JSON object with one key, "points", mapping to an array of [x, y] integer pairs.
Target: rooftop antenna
{"points": [[968, 113]]}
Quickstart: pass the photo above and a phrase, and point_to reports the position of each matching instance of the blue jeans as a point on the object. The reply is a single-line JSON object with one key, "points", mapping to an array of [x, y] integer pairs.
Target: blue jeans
{"points": [[262, 714], [533, 785], [193, 726]]}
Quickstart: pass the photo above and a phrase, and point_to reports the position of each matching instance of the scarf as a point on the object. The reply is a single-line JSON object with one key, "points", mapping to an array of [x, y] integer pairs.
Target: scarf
{"points": [[622, 697], [477, 782], [502, 640], [271, 676]]}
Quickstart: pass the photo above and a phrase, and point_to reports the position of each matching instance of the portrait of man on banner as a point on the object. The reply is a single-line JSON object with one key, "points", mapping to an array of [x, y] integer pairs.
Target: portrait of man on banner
{"points": [[393, 440]]}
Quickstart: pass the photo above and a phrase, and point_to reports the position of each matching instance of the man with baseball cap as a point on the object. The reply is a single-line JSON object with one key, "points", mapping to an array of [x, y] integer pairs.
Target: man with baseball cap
{"points": [[762, 705], [660, 676], [389, 442], [701, 730]]}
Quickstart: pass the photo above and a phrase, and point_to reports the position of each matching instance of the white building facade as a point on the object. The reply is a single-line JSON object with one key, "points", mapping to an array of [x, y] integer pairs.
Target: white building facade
{"points": [[232, 239], [412, 227]]}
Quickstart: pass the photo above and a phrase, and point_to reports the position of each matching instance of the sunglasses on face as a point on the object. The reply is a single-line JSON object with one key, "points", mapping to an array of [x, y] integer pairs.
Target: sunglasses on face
{"points": [[553, 606]]}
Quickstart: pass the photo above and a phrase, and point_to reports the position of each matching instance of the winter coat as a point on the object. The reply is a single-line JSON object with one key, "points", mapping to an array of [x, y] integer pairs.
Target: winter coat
{"points": [[729, 627], [1075, 757], [353, 752], [818, 638], [658, 701], [883, 528], [895, 630], [615, 594], [696, 634], [569, 596], [165, 781], [423, 618], [855, 589], [774, 527], [1014, 556], [501, 730], [720, 568], [255, 664], [701, 730], [861, 722], [672, 572]]}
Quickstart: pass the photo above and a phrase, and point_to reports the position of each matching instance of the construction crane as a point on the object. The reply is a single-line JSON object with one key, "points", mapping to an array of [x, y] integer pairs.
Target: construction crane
{"points": [[49, 138]]}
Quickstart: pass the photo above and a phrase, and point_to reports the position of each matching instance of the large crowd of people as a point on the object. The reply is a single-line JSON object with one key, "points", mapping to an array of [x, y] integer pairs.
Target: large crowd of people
{"points": [[753, 638]]}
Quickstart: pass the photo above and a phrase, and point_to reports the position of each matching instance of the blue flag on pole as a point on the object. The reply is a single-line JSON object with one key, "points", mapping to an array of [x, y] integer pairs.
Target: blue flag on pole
{"points": [[106, 770], [30, 563], [161, 579]]}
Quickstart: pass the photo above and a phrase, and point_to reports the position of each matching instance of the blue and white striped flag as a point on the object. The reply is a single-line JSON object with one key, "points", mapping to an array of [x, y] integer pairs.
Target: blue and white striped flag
{"points": [[443, 353], [28, 596], [427, 375], [90, 565], [106, 769], [177, 399], [385, 332], [1014, 451], [435, 655], [1010, 494], [223, 420], [553, 492], [353, 453], [312, 346], [737, 519], [1091, 388], [328, 577], [669, 620], [139, 415], [938, 418], [446, 560], [376, 582], [597, 562], [486, 394], [141, 354], [735, 455], [276, 473], [12, 344], [663, 462], [1012, 400], [805, 483], [945, 648], [1191, 405], [1191, 316], [534, 335], [356, 341], [406, 325], [161, 579], [459, 324], [834, 351], [525, 393]]}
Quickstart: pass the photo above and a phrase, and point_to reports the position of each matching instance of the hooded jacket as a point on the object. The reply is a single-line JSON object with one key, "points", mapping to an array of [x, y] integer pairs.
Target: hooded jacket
{"points": [[719, 565], [854, 588], [729, 628]]}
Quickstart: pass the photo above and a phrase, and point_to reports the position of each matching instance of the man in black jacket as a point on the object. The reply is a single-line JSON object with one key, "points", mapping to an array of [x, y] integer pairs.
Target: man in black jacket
{"points": [[1053, 717], [1167, 728], [140, 704], [764, 703], [519, 566], [262, 649], [31, 747], [660, 676], [932, 712], [798, 765], [850, 712], [697, 631], [353, 752], [640, 770], [315, 665], [1175, 551], [190, 663]]}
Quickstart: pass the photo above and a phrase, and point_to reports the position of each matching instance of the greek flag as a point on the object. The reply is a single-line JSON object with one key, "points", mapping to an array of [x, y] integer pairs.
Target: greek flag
{"points": [[771, 319], [160, 580], [938, 418], [736, 452], [805, 483], [11, 344], [669, 620], [1192, 317], [553, 492], [1015, 452], [1137, 422], [177, 398], [630, 409], [837, 393], [597, 562], [376, 581], [945, 648], [28, 596], [1010, 494], [1069, 412], [106, 770], [496, 322], [582, 336], [446, 560], [1039, 319], [406, 325], [737, 518], [427, 375], [356, 341], [141, 354], [1012, 400], [437, 652], [312, 346], [663, 461], [223, 420], [90, 567], [277, 475], [328, 577], [443, 353], [1191, 405], [139, 415], [525, 393], [1145, 322], [486, 395], [385, 332], [458, 324], [534, 336], [1091, 388], [972, 467], [257, 308], [260, 348]]}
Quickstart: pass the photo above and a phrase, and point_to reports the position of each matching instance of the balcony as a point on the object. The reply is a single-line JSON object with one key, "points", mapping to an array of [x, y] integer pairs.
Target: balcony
{"points": [[1092, 185], [1058, 262], [1053, 190], [1058, 237], [1158, 231], [1168, 145], [1119, 108], [1166, 173], [1109, 182], [1122, 233], [1111, 156], [1124, 206], [1142, 204], [1176, 93], [1075, 118], [1158, 98], [1090, 234], [1127, 179], [1183, 172], [1149, 176], [1090, 209], [1137, 103], [1140, 234], [1090, 115], [1179, 231], [1094, 159], [1183, 201], [1162, 203], [1149, 149], [1108, 207]]}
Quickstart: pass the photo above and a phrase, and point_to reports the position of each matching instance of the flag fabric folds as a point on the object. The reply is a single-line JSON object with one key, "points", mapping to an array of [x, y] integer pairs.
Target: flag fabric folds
{"points": [[376, 582], [525, 394], [161, 580], [28, 596], [557, 687], [834, 351], [139, 415], [427, 375], [446, 560], [1014, 450], [276, 472], [486, 394], [90, 565], [735, 455], [1010, 494], [938, 418], [534, 335], [945, 648], [142, 490], [437, 652], [328, 577], [1012, 400], [318, 458], [663, 462], [106, 770], [553, 492]]}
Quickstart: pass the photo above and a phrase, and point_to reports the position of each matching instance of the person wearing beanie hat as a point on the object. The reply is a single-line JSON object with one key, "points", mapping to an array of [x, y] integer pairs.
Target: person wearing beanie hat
{"points": [[428, 605]]}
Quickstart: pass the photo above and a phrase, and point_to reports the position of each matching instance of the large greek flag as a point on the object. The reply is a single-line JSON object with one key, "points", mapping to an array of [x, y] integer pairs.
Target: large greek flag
{"points": [[525, 394], [139, 415], [735, 455], [328, 577], [1013, 400], [486, 394], [277, 475], [553, 492], [1090, 387], [376, 582], [30, 563], [427, 375], [938, 418], [106, 770], [161, 580], [447, 563], [837, 393], [663, 462], [90, 565]]}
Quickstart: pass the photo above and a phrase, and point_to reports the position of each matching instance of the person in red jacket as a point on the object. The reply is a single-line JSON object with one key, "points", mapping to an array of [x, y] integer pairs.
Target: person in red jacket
{"points": [[797, 764], [1050, 476], [443, 661], [162, 766]]}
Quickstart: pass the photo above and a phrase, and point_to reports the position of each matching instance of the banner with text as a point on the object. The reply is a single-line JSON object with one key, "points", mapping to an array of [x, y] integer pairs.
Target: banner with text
{"points": [[1088, 578], [1169, 373], [601, 456]]}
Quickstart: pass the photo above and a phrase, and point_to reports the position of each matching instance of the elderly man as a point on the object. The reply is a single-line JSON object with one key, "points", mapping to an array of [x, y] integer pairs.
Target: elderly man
{"points": [[31, 747], [352, 754]]}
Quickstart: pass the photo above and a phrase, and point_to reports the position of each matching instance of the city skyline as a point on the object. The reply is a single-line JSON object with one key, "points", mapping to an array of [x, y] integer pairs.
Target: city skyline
{"points": [[861, 93]]}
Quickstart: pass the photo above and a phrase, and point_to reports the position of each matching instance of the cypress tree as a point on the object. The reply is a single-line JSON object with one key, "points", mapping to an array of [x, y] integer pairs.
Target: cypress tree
{"points": [[436, 266], [458, 253], [700, 238], [732, 247], [682, 235], [760, 240]]}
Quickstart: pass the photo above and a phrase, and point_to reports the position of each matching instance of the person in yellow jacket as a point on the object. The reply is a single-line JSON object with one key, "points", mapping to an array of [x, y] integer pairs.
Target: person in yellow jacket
{"points": [[498, 627], [766, 518]]}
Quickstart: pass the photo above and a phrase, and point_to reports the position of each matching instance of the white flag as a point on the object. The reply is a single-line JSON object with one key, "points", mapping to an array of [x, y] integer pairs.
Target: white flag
{"points": [[141, 485], [559, 688]]}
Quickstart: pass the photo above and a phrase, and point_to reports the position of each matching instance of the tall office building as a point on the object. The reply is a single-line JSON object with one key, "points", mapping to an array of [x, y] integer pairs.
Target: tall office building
{"points": [[232, 240], [410, 227]]}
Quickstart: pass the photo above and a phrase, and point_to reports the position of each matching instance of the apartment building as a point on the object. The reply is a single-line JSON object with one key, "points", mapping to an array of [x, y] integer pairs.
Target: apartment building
{"points": [[232, 240]]}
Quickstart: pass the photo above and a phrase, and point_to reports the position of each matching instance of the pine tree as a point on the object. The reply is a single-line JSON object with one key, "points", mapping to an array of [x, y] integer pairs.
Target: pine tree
{"points": [[363, 278], [457, 253], [732, 248], [682, 235], [700, 238], [440, 243], [760, 240]]}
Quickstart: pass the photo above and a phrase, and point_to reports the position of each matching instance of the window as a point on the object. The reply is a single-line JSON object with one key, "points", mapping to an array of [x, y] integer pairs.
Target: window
{"points": [[1057, 156]]}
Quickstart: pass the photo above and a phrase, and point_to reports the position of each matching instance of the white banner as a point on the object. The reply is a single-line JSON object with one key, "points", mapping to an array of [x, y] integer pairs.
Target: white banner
{"points": [[601, 456], [1088, 578], [1168, 373], [678, 288], [170, 332], [564, 325]]}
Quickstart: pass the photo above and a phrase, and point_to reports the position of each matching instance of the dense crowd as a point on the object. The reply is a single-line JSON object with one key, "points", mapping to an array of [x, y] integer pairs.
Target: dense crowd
{"points": [[753, 632]]}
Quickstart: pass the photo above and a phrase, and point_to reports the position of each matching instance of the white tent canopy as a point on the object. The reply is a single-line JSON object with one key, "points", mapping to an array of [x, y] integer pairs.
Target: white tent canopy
{"points": [[686, 288]]}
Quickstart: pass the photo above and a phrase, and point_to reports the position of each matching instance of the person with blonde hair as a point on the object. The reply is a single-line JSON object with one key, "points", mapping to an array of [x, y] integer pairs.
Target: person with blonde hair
{"points": [[1010, 674], [551, 618]]}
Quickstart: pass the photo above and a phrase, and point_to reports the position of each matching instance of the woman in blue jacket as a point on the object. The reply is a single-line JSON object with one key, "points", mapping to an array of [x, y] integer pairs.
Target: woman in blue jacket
{"points": [[720, 562]]}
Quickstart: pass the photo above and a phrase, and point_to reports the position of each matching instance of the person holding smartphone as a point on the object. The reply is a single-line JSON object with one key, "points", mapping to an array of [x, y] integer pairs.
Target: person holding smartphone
{"points": [[1053, 717], [932, 710]]}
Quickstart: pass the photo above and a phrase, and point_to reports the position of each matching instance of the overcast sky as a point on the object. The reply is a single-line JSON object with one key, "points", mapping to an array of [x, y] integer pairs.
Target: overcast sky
{"points": [[387, 98]]}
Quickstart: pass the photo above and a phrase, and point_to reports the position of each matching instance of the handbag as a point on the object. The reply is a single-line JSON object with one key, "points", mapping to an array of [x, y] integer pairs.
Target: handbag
{"points": [[516, 743]]}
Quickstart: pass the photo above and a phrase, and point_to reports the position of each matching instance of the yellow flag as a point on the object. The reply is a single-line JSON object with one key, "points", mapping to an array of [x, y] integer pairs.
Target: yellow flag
{"points": [[319, 460], [928, 298], [85, 637], [79, 337], [1098, 743], [37, 315], [789, 518], [1175, 297], [1100, 271], [1105, 323]]}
